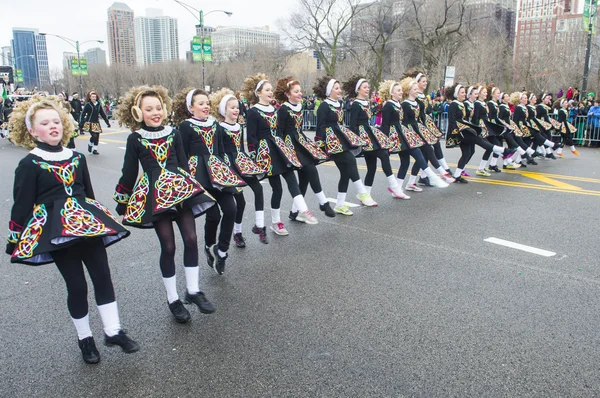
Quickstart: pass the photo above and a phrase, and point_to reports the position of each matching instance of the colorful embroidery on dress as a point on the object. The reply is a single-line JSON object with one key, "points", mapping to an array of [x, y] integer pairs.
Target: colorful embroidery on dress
{"points": [[426, 134], [236, 137], [159, 149], [171, 189], [364, 136], [366, 109], [297, 116], [193, 164], [80, 222], [352, 138], [413, 139], [382, 139], [333, 142], [222, 174], [263, 158], [31, 234], [339, 112], [289, 151], [121, 195], [246, 166], [432, 126], [136, 207], [63, 172], [395, 145], [100, 206], [311, 147], [484, 129], [14, 231]]}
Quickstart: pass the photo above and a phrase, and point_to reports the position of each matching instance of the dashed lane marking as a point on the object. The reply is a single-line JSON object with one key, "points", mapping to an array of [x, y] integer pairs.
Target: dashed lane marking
{"points": [[518, 246]]}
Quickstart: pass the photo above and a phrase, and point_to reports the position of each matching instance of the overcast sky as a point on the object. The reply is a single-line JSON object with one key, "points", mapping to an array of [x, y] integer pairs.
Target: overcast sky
{"points": [[86, 20]]}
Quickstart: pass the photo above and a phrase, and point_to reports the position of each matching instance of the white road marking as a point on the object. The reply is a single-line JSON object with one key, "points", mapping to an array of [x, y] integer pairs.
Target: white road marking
{"points": [[518, 246], [103, 143], [122, 147], [334, 201]]}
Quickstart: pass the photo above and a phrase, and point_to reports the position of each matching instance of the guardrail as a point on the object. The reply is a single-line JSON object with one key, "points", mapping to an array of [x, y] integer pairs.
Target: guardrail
{"points": [[588, 132]]}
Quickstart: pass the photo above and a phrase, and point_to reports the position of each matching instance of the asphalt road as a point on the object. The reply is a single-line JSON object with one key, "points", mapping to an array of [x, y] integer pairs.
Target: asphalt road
{"points": [[402, 300]]}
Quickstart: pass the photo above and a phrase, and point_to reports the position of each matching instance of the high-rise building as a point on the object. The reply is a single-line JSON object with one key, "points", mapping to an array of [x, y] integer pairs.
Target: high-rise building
{"points": [[121, 37], [68, 58], [493, 18], [31, 56], [6, 57], [230, 42], [156, 38], [95, 56]]}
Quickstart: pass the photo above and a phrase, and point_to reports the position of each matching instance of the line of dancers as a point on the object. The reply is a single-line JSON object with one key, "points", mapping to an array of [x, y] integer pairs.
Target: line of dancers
{"points": [[201, 167]]}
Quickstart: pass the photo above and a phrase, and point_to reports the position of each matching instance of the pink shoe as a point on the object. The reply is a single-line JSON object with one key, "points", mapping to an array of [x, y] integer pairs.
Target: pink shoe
{"points": [[465, 174], [448, 178]]}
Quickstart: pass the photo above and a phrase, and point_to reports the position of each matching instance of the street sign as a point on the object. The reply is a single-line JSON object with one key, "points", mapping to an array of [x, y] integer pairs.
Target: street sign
{"points": [[449, 76], [75, 67], [207, 47], [197, 49], [83, 67]]}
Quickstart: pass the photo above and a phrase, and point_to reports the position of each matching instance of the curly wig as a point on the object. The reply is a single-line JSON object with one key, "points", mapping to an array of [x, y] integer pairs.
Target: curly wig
{"points": [[450, 91], [349, 86], [124, 114], [413, 72], [284, 86], [320, 87], [19, 134], [215, 101], [406, 84], [385, 89], [515, 98], [88, 96], [180, 108], [249, 87]]}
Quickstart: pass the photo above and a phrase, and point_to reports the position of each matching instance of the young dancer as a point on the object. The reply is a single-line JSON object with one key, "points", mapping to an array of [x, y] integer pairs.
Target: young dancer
{"points": [[542, 112], [481, 118], [377, 144], [339, 142], [204, 149], [89, 121], [500, 113], [165, 192], [541, 125], [225, 107], [289, 120], [272, 152], [567, 129], [55, 218], [463, 133], [404, 140]]}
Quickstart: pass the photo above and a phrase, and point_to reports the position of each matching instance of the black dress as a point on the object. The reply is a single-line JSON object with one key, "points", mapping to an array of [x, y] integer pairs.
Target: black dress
{"points": [[373, 138], [426, 109], [458, 124], [290, 124], [204, 149], [235, 156], [165, 185], [481, 118], [402, 137], [521, 118], [331, 134], [54, 206], [412, 117], [566, 127], [89, 120], [505, 116], [273, 153], [541, 112]]}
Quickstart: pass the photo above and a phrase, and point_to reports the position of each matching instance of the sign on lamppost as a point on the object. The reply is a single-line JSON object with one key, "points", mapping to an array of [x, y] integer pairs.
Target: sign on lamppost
{"points": [[19, 77], [197, 49], [207, 48], [449, 76], [75, 67], [83, 67]]}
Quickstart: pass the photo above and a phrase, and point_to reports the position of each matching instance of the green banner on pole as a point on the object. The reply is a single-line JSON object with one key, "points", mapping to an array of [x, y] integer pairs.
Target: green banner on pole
{"points": [[589, 15], [207, 48], [75, 67], [197, 49], [19, 77], [83, 67]]}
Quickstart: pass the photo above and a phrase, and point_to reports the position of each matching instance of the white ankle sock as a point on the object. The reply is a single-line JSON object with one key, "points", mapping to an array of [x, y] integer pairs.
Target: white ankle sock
{"points": [[519, 158], [275, 216], [498, 149], [528, 151], [549, 143], [457, 172], [482, 164], [441, 171], [171, 287], [322, 198], [422, 173], [572, 147], [82, 325], [260, 218], [443, 163], [300, 203], [360, 186], [429, 172], [237, 228], [368, 189], [412, 179], [341, 199], [110, 318], [493, 161], [294, 207], [400, 182], [192, 279], [559, 151], [221, 254], [392, 183]]}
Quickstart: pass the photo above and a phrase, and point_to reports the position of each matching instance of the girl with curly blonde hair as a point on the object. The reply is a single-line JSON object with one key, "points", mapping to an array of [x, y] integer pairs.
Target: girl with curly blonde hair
{"points": [[271, 152], [89, 121], [226, 108], [165, 192], [55, 218], [203, 143]]}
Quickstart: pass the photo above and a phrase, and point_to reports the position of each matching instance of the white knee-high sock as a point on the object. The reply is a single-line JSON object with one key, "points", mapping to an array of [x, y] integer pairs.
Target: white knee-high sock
{"points": [[275, 216], [321, 197], [482, 164], [559, 151], [294, 207], [392, 183], [549, 144], [171, 287], [192, 277], [110, 318], [300, 203], [237, 228], [493, 161], [260, 218], [422, 173], [443, 163], [400, 182], [82, 325], [498, 149], [360, 187], [529, 151], [457, 172], [341, 199], [368, 189], [412, 179], [441, 171]]}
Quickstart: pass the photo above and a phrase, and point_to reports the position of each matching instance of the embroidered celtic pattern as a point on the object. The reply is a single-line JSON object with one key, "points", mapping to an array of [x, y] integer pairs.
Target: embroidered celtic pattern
{"points": [[63, 172], [78, 221], [32, 232]]}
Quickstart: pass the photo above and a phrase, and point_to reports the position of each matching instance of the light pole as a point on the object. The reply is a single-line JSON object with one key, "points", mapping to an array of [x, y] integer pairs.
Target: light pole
{"points": [[14, 62], [588, 49], [200, 25], [75, 44]]}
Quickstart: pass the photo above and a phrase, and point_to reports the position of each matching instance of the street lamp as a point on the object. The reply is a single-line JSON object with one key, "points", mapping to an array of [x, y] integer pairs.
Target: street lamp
{"points": [[200, 25], [14, 61], [75, 44]]}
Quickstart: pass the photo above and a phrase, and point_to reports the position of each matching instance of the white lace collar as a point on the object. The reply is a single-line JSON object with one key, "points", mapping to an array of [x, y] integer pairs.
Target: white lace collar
{"points": [[396, 103], [362, 101], [468, 103], [505, 105], [458, 102], [265, 108], [411, 102], [493, 103], [333, 103], [420, 95], [202, 123], [65, 154], [295, 108], [152, 135], [230, 127], [523, 106], [481, 102]]}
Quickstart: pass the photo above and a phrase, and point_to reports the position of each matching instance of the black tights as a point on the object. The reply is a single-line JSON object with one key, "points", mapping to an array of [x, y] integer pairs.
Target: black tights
{"points": [[429, 156], [492, 139], [437, 150], [309, 174], [420, 162], [227, 204], [467, 147], [94, 139], [275, 182], [166, 236], [371, 161], [69, 262], [259, 199], [346, 164]]}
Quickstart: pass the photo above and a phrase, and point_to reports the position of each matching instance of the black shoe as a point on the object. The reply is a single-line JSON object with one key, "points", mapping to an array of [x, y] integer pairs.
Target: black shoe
{"points": [[537, 155], [89, 352], [532, 162], [122, 340], [326, 208], [495, 169], [425, 182], [508, 152], [461, 180], [181, 314], [210, 259], [523, 164], [262, 234], [90, 148], [219, 264], [550, 156], [292, 216], [239, 240], [200, 300], [95, 152]]}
